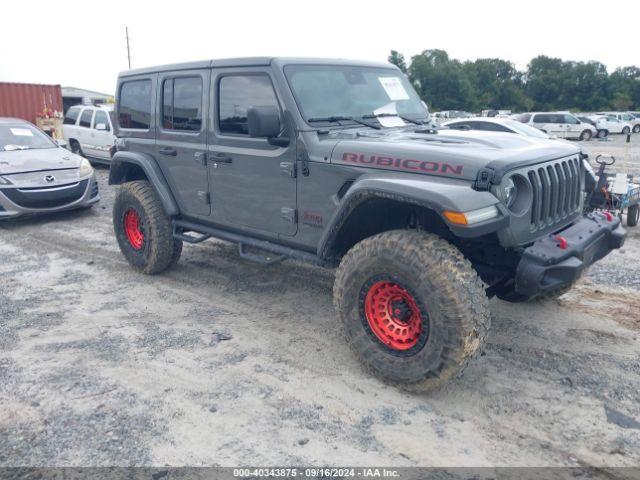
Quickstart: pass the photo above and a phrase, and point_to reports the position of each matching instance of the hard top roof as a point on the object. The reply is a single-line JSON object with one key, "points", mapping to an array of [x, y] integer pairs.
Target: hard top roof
{"points": [[253, 62]]}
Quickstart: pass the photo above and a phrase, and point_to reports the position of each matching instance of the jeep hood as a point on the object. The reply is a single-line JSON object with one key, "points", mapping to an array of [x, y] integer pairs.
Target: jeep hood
{"points": [[31, 160], [450, 153]]}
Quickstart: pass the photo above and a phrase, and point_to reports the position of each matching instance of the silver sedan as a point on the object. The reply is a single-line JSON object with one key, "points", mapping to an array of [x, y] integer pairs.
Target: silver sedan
{"points": [[39, 176]]}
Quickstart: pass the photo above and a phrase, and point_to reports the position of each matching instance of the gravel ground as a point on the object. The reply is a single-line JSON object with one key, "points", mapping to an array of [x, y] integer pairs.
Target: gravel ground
{"points": [[224, 362]]}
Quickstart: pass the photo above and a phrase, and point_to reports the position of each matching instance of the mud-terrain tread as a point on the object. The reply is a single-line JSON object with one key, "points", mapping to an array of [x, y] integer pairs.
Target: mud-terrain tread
{"points": [[461, 301], [164, 249]]}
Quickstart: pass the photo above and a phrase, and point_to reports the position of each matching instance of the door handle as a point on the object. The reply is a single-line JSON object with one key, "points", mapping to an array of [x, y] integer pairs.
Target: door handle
{"points": [[171, 152], [220, 157]]}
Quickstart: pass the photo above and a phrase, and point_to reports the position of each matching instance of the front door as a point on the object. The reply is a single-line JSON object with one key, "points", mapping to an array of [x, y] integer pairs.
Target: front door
{"points": [[181, 141], [101, 137], [252, 183]]}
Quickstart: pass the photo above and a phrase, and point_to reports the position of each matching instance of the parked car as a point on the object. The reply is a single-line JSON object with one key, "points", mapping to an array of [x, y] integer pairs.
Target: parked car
{"points": [[330, 162], [559, 124], [625, 117], [488, 124], [88, 130], [607, 124], [39, 176]]}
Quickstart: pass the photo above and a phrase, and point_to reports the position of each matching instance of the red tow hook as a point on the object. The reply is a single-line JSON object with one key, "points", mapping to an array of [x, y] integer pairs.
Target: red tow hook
{"points": [[562, 242], [608, 216]]}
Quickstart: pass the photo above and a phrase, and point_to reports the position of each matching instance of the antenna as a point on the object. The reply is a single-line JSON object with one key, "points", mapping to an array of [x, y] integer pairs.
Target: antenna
{"points": [[126, 29]]}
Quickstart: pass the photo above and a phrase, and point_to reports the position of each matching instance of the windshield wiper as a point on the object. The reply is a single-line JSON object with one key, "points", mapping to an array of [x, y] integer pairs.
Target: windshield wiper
{"points": [[389, 114], [338, 119]]}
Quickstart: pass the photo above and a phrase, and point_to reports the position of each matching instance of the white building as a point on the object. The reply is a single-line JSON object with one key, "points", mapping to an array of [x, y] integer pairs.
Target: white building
{"points": [[74, 96]]}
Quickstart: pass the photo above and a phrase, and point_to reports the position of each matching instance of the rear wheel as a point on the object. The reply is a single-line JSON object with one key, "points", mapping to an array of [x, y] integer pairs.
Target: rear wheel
{"points": [[633, 215], [412, 308], [143, 230], [585, 135]]}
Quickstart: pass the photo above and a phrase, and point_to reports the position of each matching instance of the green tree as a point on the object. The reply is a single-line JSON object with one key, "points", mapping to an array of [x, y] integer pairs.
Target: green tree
{"points": [[398, 60], [441, 82], [544, 79], [498, 84]]}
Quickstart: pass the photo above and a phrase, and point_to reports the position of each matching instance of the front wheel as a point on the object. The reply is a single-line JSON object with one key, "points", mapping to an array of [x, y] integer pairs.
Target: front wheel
{"points": [[636, 128], [413, 309], [626, 131], [603, 133], [586, 135], [143, 229]]}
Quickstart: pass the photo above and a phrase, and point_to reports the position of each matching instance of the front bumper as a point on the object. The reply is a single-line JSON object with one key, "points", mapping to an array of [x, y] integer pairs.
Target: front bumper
{"points": [[17, 202], [559, 259]]}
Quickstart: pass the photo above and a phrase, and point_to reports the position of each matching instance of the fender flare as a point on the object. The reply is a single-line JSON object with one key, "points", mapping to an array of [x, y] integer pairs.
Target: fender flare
{"points": [[435, 193], [151, 170]]}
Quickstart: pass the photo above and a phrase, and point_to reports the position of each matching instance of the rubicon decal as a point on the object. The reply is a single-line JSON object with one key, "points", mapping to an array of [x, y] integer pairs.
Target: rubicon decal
{"points": [[403, 163]]}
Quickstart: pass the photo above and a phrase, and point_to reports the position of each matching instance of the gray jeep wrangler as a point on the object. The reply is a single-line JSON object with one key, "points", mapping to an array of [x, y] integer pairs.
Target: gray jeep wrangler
{"points": [[334, 163]]}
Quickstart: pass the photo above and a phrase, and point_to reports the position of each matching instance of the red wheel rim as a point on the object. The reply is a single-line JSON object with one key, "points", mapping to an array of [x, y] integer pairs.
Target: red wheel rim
{"points": [[132, 229], [393, 315]]}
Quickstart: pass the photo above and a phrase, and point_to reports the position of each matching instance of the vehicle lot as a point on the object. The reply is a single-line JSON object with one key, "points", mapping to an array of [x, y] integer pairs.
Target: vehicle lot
{"points": [[223, 362]]}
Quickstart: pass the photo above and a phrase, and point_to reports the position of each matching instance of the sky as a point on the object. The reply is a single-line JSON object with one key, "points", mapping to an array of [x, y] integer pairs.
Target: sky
{"points": [[82, 43]]}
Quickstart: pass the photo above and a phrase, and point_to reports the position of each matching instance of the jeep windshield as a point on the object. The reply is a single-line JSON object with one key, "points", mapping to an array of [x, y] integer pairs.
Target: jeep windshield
{"points": [[23, 137], [345, 95]]}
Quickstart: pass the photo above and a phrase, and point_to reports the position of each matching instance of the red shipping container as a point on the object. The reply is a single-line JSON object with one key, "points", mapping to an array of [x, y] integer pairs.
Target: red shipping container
{"points": [[27, 100]]}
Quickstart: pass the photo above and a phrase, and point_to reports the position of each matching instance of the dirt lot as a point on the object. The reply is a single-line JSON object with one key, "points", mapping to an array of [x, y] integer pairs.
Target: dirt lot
{"points": [[223, 362]]}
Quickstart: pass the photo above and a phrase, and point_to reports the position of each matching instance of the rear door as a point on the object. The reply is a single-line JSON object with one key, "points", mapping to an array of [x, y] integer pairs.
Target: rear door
{"points": [[253, 183], [181, 140]]}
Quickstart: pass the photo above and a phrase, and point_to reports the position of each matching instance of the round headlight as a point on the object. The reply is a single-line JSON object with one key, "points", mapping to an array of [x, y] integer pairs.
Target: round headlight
{"points": [[510, 192], [85, 168]]}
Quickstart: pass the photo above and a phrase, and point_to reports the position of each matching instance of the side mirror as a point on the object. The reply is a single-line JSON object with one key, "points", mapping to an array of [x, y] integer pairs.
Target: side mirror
{"points": [[101, 126], [263, 122]]}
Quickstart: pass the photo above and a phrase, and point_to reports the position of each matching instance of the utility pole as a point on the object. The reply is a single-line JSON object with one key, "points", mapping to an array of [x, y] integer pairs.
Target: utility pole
{"points": [[126, 29]]}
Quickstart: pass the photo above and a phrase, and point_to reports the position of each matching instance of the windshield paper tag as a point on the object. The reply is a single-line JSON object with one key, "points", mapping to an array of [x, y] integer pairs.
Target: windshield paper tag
{"points": [[21, 132], [393, 87]]}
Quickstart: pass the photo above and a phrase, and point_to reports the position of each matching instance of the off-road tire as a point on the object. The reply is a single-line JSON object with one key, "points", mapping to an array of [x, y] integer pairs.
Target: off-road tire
{"points": [[586, 135], [626, 131], [633, 215], [159, 249], [446, 288]]}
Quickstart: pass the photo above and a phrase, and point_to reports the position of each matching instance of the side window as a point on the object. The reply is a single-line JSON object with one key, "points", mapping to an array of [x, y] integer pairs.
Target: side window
{"points": [[134, 105], [182, 104], [541, 118], [571, 119], [71, 116], [459, 126], [236, 93], [494, 127], [101, 118], [85, 118]]}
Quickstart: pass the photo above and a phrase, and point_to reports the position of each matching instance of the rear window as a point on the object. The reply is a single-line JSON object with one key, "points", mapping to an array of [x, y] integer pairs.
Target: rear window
{"points": [[134, 105], [71, 116], [85, 118]]}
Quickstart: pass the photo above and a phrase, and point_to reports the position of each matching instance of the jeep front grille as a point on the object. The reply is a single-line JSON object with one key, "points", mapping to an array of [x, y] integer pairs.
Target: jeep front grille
{"points": [[556, 190]]}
